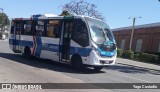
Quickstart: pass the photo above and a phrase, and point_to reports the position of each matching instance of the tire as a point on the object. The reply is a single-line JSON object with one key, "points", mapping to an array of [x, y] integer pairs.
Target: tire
{"points": [[77, 63], [97, 68], [27, 53]]}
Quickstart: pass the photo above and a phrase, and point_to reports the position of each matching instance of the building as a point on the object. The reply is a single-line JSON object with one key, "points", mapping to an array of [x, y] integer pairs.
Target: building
{"points": [[146, 38]]}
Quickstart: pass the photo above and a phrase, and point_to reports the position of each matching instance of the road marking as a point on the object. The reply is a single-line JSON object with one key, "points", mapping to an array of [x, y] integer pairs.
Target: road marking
{"points": [[130, 77]]}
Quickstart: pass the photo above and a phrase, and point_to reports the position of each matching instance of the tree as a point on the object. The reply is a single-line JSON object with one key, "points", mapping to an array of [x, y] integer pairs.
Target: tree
{"points": [[3, 19], [65, 13], [81, 7]]}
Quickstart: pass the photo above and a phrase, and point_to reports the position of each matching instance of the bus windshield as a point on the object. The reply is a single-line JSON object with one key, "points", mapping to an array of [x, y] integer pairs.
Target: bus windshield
{"points": [[100, 31]]}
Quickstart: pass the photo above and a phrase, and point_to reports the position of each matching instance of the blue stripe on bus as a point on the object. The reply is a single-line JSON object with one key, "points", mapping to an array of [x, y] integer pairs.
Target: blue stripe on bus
{"points": [[21, 43], [80, 51], [51, 47], [39, 46]]}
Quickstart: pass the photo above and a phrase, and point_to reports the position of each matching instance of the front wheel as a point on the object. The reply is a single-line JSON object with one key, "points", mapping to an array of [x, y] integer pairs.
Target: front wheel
{"points": [[97, 68], [77, 63]]}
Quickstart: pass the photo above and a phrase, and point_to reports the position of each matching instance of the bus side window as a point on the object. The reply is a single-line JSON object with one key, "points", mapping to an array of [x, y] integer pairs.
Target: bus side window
{"points": [[57, 30], [80, 34], [53, 28], [27, 27], [39, 28], [18, 27]]}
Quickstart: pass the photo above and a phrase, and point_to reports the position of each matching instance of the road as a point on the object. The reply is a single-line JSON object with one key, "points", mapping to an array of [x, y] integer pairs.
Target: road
{"points": [[14, 68]]}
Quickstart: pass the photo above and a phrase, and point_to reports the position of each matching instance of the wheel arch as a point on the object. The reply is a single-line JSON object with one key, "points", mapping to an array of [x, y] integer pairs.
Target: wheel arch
{"points": [[26, 47]]}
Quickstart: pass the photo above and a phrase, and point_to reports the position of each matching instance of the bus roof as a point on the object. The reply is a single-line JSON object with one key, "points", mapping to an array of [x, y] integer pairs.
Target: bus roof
{"points": [[46, 16], [51, 16]]}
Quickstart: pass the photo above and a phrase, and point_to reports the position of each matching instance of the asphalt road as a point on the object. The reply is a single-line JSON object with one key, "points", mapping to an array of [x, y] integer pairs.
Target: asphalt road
{"points": [[14, 68]]}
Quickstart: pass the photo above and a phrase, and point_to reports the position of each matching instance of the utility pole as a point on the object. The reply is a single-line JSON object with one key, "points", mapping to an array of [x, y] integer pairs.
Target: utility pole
{"points": [[134, 20]]}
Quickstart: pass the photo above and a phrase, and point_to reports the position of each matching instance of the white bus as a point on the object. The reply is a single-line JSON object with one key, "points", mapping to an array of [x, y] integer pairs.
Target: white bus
{"points": [[76, 40]]}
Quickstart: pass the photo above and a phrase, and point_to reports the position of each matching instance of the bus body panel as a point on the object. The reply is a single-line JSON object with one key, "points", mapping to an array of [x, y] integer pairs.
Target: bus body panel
{"points": [[50, 48]]}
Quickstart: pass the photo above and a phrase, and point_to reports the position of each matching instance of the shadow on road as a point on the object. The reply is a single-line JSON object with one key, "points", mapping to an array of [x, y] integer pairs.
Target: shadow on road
{"points": [[55, 66], [132, 69], [46, 64]]}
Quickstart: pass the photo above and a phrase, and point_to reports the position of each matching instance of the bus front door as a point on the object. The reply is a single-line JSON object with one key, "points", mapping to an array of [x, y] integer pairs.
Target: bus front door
{"points": [[16, 36], [65, 41]]}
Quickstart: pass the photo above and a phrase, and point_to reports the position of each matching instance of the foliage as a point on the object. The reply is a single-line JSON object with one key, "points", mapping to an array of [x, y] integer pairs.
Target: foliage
{"points": [[129, 54], [65, 13], [4, 19], [81, 7], [148, 57], [119, 52], [136, 56]]}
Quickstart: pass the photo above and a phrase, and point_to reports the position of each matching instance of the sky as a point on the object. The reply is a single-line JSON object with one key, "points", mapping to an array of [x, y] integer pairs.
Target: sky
{"points": [[116, 12]]}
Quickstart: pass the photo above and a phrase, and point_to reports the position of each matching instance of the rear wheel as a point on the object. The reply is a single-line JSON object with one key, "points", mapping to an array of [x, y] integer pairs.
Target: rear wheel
{"points": [[27, 52], [97, 68]]}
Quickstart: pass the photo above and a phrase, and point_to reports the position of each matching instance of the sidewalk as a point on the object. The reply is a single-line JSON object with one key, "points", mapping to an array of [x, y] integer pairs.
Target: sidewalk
{"points": [[4, 39], [138, 64]]}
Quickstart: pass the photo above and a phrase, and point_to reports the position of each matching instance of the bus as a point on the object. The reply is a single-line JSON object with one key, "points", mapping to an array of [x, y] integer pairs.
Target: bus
{"points": [[75, 40]]}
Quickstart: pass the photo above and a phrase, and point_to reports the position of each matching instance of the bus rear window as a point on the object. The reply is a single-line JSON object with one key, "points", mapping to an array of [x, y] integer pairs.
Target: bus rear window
{"points": [[12, 27]]}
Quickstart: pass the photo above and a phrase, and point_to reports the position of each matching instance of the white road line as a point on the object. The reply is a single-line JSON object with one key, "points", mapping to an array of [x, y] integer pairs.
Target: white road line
{"points": [[130, 77]]}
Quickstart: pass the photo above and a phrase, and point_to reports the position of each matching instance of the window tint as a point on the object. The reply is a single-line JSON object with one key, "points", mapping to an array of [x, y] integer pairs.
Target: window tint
{"points": [[53, 28], [67, 29], [40, 28], [12, 27], [17, 26], [27, 27], [80, 34]]}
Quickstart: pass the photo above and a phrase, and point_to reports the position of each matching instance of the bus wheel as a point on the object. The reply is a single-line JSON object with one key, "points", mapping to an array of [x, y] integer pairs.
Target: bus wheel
{"points": [[27, 52], [97, 68], [77, 63]]}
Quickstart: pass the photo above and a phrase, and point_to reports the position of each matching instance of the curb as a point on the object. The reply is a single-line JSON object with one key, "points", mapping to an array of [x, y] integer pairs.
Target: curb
{"points": [[4, 40], [139, 67]]}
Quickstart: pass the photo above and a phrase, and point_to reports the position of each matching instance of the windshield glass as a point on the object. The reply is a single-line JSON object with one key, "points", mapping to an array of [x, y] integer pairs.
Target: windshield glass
{"points": [[100, 32]]}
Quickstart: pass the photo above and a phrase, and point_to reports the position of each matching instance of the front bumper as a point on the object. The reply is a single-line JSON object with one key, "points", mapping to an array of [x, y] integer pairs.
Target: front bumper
{"points": [[96, 60]]}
